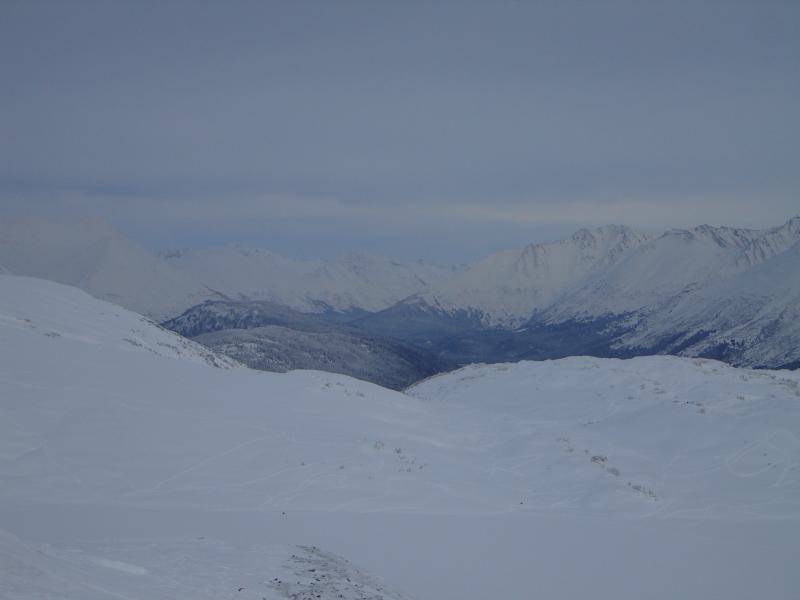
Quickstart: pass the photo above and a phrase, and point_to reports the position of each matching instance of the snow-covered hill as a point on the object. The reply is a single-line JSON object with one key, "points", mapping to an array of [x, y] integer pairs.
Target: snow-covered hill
{"points": [[139, 470], [664, 429], [31, 307]]}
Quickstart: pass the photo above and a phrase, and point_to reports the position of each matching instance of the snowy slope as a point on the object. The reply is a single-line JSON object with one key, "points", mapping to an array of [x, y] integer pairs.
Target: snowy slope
{"points": [[355, 281], [750, 319], [139, 471], [81, 378], [31, 307], [91, 255], [661, 428]]}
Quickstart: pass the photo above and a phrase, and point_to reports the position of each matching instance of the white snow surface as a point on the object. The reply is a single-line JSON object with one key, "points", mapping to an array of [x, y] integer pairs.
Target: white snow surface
{"points": [[141, 471]]}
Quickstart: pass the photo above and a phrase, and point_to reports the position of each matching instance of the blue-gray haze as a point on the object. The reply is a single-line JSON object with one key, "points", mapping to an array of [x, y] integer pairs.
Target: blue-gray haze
{"points": [[437, 129]]}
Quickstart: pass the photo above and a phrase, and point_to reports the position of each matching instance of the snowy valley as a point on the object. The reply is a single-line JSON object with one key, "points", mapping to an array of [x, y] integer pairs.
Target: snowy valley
{"points": [[710, 292], [399, 300], [136, 464]]}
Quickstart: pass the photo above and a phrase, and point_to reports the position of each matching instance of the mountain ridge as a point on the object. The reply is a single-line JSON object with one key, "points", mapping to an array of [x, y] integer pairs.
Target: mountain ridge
{"points": [[610, 291], [683, 291]]}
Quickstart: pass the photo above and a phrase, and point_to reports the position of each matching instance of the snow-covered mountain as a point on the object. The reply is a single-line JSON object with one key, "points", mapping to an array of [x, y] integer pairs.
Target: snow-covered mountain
{"points": [[675, 263], [611, 270], [506, 288], [131, 467], [353, 282], [717, 292], [90, 254], [752, 318]]}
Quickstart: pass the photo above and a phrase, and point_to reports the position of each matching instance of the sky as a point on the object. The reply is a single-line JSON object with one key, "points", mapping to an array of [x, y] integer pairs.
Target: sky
{"points": [[442, 130]]}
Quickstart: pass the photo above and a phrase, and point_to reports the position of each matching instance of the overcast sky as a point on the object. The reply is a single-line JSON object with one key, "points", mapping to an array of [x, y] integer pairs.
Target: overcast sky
{"points": [[433, 129]]}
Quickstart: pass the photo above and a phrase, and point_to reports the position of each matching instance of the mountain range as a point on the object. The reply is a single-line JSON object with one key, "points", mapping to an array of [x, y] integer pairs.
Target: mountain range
{"points": [[356, 282], [92, 255], [718, 292], [714, 292]]}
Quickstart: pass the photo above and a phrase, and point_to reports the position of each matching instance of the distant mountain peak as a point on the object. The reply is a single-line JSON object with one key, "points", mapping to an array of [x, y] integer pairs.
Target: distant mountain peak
{"points": [[604, 232]]}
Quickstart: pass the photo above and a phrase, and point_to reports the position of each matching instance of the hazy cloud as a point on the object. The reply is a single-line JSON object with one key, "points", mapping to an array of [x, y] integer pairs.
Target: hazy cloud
{"points": [[440, 128]]}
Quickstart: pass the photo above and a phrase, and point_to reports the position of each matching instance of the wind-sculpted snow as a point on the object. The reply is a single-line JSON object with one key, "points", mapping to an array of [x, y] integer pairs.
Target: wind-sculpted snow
{"points": [[130, 472]]}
